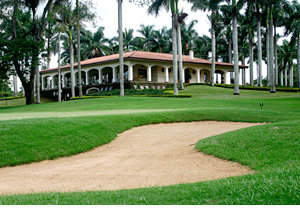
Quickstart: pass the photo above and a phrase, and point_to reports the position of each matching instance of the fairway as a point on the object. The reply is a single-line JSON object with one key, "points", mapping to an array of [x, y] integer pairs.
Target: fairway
{"points": [[49, 133], [15, 116]]}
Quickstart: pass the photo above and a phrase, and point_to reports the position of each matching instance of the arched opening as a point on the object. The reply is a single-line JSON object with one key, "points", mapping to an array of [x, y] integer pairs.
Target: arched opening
{"points": [[83, 78], [220, 76], [67, 80], [190, 75], [205, 76], [140, 72], [55, 78], [46, 82], [125, 73], [93, 77], [107, 75]]}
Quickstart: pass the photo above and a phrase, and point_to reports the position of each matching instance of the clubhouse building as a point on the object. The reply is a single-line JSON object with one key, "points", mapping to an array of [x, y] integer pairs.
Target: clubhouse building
{"points": [[143, 70]]}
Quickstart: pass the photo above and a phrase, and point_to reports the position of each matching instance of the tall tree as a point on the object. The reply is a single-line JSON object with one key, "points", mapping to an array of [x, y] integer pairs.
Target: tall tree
{"points": [[27, 28], [154, 8], [213, 6], [121, 59], [69, 17], [94, 44], [292, 26], [234, 7], [78, 49]]}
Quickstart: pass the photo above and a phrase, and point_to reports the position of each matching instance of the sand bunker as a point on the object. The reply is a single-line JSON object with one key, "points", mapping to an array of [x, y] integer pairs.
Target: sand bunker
{"points": [[147, 156]]}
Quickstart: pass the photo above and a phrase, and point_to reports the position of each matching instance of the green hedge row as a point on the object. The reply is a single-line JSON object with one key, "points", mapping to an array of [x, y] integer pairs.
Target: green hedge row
{"points": [[266, 88], [158, 95], [10, 98]]}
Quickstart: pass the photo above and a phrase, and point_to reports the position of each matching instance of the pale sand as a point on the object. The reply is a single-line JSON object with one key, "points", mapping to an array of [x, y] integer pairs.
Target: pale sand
{"points": [[147, 156]]}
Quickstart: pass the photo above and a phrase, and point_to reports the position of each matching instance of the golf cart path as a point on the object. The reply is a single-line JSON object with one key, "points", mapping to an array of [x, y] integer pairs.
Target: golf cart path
{"points": [[146, 156], [28, 115]]}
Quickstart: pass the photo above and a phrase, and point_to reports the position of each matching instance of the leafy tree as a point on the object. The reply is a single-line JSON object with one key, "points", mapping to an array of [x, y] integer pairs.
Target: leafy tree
{"points": [[25, 31], [94, 44], [213, 6]]}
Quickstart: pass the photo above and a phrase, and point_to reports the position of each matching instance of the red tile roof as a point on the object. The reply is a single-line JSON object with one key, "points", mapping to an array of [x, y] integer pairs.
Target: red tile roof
{"points": [[142, 55]]}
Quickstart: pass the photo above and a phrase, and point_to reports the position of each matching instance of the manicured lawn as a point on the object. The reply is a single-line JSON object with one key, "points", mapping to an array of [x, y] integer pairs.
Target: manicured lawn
{"points": [[272, 149]]}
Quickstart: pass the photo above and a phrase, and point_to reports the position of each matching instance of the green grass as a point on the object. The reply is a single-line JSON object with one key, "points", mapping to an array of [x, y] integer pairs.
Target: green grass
{"points": [[272, 149]]}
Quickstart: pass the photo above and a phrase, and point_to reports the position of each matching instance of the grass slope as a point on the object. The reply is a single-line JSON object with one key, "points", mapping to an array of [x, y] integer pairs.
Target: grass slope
{"points": [[271, 149]]}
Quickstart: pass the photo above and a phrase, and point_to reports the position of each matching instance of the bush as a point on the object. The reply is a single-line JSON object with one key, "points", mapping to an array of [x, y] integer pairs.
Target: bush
{"points": [[116, 92]]}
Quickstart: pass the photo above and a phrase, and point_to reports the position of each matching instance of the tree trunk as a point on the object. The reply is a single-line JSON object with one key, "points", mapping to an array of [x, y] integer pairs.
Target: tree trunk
{"points": [[181, 87], [15, 79], [230, 57], [48, 53], [291, 75], [268, 55], [259, 74], [38, 85], [29, 92], [59, 70], [213, 50], [78, 51], [243, 71], [236, 56], [281, 78], [174, 45], [271, 54], [298, 61], [121, 60], [251, 58], [275, 56], [285, 75], [72, 68]]}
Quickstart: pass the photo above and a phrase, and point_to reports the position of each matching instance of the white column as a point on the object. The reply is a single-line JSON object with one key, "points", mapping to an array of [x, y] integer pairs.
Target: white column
{"points": [[114, 74], [87, 77], [291, 76], [183, 75], [130, 73], [167, 74], [100, 75], [42, 82], [52, 86], [149, 73], [198, 75]]}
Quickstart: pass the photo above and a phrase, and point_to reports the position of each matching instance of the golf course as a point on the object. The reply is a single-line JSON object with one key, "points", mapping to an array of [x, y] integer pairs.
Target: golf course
{"points": [[263, 141]]}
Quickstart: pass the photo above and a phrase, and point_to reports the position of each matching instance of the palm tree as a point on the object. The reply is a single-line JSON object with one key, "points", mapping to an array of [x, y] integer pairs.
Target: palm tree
{"points": [[67, 16], [202, 46], [121, 60], [160, 40], [286, 56], [250, 11], [128, 39], [147, 33], [94, 44], [172, 5], [213, 6], [227, 34], [292, 26], [59, 70], [78, 49], [189, 34], [233, 8]]}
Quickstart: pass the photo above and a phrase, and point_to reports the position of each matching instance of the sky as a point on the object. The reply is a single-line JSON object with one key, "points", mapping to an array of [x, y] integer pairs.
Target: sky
{"points": [[134, 15]]}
